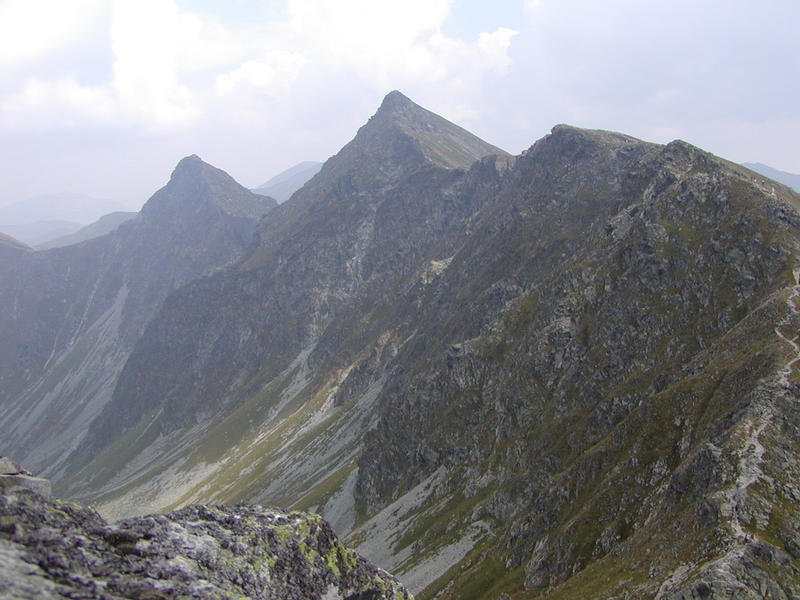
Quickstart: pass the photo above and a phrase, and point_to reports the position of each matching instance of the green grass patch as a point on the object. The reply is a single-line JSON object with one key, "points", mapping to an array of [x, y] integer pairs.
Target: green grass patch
{"points": [[318, 495]]}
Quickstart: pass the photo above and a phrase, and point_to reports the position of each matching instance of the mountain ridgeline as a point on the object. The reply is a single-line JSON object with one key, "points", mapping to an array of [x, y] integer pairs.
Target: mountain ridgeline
{"points": [[569, 373]]}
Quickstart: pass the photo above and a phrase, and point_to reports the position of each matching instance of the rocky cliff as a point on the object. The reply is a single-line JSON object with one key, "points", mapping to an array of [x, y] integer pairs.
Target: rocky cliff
{"points": [[571, 373], [54, 549]]}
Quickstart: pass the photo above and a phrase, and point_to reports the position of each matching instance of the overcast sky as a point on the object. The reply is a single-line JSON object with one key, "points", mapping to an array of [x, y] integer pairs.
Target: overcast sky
{"points": [[103, 97]]}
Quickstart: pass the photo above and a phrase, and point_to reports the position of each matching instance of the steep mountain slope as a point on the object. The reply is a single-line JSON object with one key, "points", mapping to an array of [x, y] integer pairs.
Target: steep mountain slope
{"points": [[75, 313], [635, 391], [567, 374]]}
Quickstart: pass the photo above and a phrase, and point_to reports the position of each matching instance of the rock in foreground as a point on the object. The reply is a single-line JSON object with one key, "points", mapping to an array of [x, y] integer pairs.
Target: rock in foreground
{"points": [[52, 549]]}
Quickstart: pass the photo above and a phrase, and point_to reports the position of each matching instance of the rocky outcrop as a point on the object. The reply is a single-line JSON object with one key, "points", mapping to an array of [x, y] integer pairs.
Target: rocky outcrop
{"points": [[13, 476], [53, 549]]}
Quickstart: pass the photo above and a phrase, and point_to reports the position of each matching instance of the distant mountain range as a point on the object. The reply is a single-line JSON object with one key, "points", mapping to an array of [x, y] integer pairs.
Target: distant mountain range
{"points": [[66, 215], [41, 219], [571, 373], [286, 183], [76, 208], [790, 179], [104, 225], [11, 242], [40, 232]]}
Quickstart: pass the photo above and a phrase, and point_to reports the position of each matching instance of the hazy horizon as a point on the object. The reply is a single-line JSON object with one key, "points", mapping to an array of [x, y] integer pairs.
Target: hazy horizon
{"points": [[102, 98]]}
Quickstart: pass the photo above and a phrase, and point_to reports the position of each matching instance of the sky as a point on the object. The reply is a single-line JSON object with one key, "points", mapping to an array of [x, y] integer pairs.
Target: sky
{"points": [[103, 97]]}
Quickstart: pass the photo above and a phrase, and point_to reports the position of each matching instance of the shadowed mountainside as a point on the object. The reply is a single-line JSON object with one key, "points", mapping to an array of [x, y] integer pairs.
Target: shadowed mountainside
{"points": [[75, 313]]}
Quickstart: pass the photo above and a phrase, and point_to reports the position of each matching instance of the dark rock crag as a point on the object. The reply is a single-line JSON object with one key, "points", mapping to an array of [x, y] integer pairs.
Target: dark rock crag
{"points": [[54, 549]]}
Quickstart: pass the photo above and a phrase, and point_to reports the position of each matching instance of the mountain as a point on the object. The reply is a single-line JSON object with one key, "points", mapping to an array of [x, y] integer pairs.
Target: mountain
{"points": [[76, 208], [6, 241], [790, 179], [105, 224], [286, 183], [74, 313], [41, 219], [37, 233], [318, 254], [569, 373]]}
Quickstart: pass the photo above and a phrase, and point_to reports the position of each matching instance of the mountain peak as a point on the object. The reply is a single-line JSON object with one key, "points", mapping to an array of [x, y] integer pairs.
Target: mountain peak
{"points": [[599, 136], [189, 164], [397, 110], [396, 100], [440, 141], [195, 183]]}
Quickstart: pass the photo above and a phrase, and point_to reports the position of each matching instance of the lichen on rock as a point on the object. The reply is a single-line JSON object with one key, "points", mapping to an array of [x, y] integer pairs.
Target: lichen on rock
{"points": [[52, 549]]}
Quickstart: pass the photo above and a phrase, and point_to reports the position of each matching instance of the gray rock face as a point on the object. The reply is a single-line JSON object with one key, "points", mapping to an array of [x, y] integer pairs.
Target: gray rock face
{"points": [[10, 467], [52, 549], [13, 476]]}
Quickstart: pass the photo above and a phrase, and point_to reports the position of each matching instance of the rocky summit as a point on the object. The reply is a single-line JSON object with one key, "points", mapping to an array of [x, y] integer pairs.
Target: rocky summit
{"points": [[568, 373], [54, 549]]}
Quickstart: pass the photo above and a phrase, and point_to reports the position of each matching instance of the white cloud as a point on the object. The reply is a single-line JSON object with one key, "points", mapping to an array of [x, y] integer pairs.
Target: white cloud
{"points": [[390, 44], [366, 30], [146, 40], [189, 81], [30, 29], [270, 82], [494, 47], [150, 41], [169, 66], [272, 75], [59, 104]]}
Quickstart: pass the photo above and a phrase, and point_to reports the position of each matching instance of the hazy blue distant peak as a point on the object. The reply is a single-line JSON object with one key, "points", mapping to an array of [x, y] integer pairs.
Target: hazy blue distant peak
{"points": [[790, 179], [76, 208], [284, 184], [105, 224]]}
